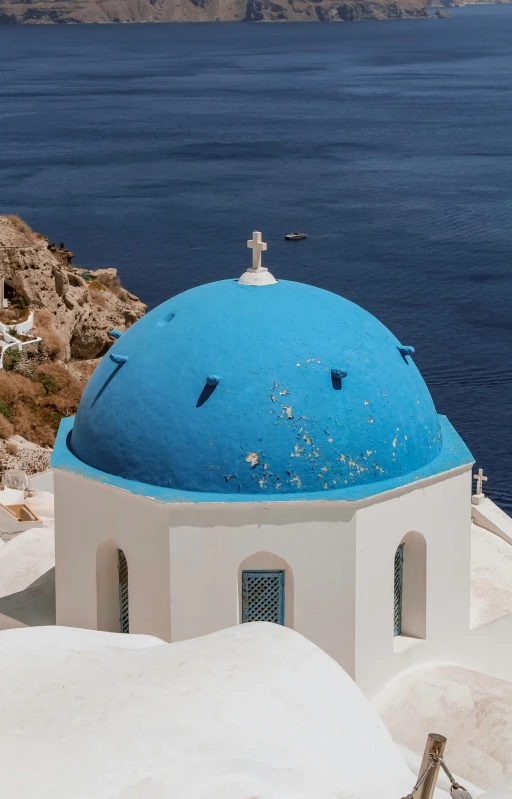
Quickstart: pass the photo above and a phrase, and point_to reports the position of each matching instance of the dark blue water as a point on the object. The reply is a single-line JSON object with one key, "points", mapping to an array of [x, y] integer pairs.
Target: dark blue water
{"points": [[157, 149]]}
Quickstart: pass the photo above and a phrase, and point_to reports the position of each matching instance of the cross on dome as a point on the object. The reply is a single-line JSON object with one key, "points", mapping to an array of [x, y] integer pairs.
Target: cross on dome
{"points": [[257, 275], [258, 247], [480, 479]]}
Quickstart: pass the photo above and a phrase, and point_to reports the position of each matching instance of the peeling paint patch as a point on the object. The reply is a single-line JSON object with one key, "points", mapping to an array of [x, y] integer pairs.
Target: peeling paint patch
{"points": [[253, 458], [329, 440], [370, 420], [367, 402], [288, 411], [272, 398]]}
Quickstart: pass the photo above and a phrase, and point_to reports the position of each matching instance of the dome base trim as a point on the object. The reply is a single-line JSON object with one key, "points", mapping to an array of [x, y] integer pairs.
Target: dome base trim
{"points": [[454, 454]]}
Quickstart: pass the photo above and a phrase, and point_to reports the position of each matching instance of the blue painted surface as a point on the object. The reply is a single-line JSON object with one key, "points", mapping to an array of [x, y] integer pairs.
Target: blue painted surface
{"points": [[275, 423], [454, 454]]}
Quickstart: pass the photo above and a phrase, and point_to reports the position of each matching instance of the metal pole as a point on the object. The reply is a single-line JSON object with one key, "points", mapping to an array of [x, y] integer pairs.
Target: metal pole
{"points": [[435, 746]]}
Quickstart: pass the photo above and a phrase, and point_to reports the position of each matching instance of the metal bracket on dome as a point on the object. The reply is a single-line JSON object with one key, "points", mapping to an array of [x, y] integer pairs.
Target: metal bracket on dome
{"points": [[118, 358], [404, 351], [115, 333], [337, 375], [212, 381]]}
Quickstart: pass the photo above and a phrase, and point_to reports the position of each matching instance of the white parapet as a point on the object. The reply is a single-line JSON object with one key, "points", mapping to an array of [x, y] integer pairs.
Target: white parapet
{"points": [[20, 327], [487, 515]]}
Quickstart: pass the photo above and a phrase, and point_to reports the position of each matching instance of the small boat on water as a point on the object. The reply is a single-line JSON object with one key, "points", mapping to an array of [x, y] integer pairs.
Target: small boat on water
{"points": [[295, 236]]}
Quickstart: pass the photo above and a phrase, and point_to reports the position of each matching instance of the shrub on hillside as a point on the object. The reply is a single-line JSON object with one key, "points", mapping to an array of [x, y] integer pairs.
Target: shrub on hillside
{"points": [[44, 327], [19, 224], [6, 428], [36, 405], [12, 357]]}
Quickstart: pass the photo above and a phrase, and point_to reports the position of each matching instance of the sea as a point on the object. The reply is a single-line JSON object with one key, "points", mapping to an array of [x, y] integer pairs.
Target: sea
{"points": [[158, 148]]}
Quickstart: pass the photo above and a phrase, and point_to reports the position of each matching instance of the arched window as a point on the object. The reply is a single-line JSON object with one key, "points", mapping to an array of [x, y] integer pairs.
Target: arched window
{"points": [[122, 570], [410, 587]]}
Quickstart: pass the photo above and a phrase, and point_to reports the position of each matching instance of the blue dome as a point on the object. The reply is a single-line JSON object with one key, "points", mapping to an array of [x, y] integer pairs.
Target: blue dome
{"points": [[272, 389]]}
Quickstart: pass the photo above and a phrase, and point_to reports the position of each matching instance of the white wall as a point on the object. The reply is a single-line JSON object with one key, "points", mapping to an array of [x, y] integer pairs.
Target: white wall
{"points": [[441, 512], [87, 514], [313, 542], [43, 481], [185, 563]]}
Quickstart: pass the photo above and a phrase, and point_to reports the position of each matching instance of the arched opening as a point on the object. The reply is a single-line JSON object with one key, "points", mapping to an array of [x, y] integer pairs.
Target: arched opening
{"points": [[265, 589], [112, 588], [410, 587]]}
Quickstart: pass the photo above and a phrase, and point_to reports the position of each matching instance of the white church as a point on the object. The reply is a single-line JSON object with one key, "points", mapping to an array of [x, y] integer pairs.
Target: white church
{"points": [[255, 450], [260, 449]]}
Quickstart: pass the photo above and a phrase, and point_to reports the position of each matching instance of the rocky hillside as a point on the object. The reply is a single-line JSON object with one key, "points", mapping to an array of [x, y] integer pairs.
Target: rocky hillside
{"points": [[76, 11], [74, 310]]}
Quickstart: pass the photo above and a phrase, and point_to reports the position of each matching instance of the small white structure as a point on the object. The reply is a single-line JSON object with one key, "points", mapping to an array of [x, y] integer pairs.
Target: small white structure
{"points": [[257, 449]]}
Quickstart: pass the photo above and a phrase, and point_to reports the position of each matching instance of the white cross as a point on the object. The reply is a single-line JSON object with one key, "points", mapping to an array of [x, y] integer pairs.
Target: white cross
{"points": [[257, 246], [480, 479]]}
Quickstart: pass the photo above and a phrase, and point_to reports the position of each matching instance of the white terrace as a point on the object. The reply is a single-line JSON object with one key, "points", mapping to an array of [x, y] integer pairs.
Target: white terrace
{"points": [[15, 335]]}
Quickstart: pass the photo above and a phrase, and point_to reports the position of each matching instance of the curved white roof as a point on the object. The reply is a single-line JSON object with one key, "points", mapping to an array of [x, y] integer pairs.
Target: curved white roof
{"points": [[252, 711]]}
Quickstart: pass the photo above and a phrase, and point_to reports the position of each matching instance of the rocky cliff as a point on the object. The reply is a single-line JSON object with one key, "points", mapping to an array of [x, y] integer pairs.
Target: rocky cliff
{"points": [[76, 11], [74, 310]]}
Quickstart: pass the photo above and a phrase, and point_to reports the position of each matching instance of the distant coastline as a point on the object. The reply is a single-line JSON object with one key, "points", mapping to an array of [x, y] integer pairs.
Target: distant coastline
{"points": [[75, 12], [125, 11]]}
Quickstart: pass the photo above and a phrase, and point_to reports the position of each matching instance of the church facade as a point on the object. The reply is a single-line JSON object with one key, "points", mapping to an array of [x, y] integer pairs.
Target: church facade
{"points": [[256, 449]]}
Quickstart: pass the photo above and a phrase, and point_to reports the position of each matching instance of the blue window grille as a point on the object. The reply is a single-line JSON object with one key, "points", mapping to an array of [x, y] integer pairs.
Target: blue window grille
{"points": [[399, 580], [263, 596], [122, 568]]}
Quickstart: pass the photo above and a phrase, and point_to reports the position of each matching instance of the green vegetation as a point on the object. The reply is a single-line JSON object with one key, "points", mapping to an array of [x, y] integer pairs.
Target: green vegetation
{"points": [[20, 302], [12, 357], [6, 410], [49, 383]]}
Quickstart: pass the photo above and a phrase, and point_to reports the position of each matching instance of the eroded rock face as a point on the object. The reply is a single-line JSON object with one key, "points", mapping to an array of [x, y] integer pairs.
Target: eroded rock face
{"points": [[74, 310], [76, 305], [329, 11], [73, 11]]}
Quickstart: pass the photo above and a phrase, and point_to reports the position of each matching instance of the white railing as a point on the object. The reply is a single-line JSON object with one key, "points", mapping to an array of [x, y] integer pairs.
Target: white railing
{"points": [[14, 342]]}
